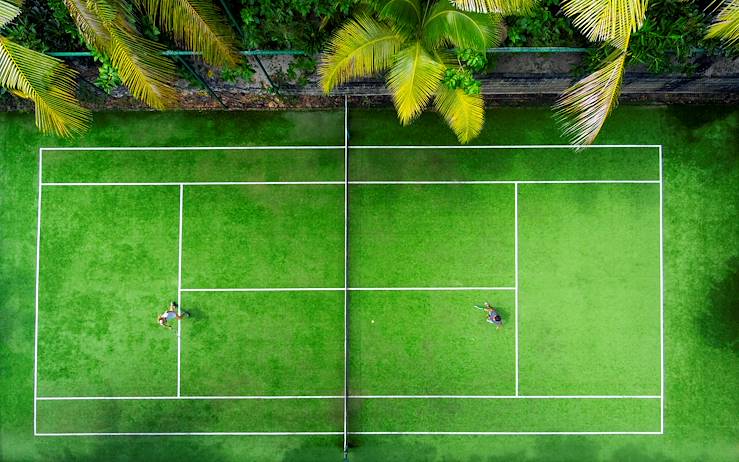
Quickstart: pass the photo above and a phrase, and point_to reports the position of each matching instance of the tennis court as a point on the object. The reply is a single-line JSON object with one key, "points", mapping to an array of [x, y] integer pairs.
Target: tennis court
{"points": [[332, 290]]}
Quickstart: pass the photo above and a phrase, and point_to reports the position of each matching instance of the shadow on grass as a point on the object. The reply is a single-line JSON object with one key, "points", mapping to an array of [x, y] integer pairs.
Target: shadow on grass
{"points": [[718, 326]]}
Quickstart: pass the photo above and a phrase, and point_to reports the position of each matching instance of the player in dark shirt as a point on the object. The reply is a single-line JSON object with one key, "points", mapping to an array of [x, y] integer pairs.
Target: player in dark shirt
{"points": [[493, 316]]}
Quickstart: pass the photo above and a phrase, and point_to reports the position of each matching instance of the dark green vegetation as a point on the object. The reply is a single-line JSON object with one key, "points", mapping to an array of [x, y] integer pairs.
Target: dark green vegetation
{"points": [[672, 30], [590, 332]]}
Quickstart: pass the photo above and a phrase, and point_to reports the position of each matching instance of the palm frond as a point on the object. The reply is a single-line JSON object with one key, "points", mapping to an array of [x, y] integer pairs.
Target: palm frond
{"points": [[139, 62], [362, 47], [88, 23], [47, 82], [8, 11], [462, 29], [199, 26], [142, 68], [464, 113], [611, 21], [583, 108], [405, 13], [413, 78], [726, 24], [505, 7]]}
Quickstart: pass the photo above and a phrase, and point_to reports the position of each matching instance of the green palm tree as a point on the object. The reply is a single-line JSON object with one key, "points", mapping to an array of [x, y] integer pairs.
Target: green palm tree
{"points": [[109, 26], [410, 40], [726, 24], [584, 107], [42, 79]]}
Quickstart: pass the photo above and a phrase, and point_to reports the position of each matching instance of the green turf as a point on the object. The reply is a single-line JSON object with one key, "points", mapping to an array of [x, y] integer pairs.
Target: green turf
{"points": [[191, 416], [400, 332], [108, 269], [190, 165], [589, 296], [273, 343], [263, 236], [474, 163], [529, 415], [432, 236], [701, 261]]}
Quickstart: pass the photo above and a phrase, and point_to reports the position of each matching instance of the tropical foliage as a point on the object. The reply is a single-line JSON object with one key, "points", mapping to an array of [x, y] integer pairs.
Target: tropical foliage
{"points": [[110, 27], [584, 107], [726, 23], [46, 81], [409, 40]]}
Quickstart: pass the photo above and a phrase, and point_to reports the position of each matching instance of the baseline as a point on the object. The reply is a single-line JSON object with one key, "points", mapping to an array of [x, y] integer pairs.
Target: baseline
{"points": [[269, 397], [409, 182]]}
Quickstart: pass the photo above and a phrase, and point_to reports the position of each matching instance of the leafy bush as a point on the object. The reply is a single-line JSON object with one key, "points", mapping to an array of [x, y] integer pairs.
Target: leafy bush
{"points": [[45, 25], [671, 30], [470, 61], [291, 24], [547, 26], [108, 77], [669, 40]]}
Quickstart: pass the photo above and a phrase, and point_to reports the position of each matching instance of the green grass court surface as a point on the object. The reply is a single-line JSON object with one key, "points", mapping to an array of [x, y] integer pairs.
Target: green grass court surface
{"points": [[614, 267]]}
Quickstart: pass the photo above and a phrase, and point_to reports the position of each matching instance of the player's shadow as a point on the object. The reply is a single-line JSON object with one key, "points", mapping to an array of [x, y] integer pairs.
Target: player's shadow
{"points": [[718, 322]]}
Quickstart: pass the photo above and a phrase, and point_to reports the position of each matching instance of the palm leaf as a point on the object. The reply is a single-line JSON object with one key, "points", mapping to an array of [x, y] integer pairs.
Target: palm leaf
{"points": [[505, 7], [726, 24], [143, 69], [361, 47], [139, 62], [413, 79], [583, 108], [464, 113], [462, 29], [198, 25], [89, 24], [48, 83], [405, 13], [610, 21], [8, 12]]}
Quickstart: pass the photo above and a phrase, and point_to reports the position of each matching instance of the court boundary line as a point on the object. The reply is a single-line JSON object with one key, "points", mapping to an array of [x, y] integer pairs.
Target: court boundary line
{"points": [[179, 293], [515, 272], [342, 183], [338, 147], [661, 296], [41, 184], [286, 397], [346, 277], [421, 433], [36, 296], [340, 289]]}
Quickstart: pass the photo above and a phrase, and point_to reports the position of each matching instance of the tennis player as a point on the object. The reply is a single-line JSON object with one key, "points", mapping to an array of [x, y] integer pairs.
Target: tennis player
{"points": [[172, 314], [493, 316]]}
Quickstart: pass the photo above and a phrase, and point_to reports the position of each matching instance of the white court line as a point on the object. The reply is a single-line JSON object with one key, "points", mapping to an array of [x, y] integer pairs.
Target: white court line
{"points": [[339, 433], [198, 183], [661, 297], [307, 183], [195, 434], [256, 148], [504, 433], [38, 260], [506, 182], [165, 398], [338, 289], [192, 148], [286, 397], [179, 293], [346, 276], [515, 241], [520, 146]]}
